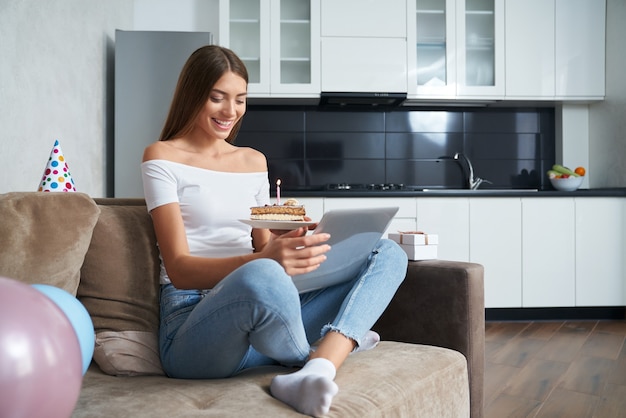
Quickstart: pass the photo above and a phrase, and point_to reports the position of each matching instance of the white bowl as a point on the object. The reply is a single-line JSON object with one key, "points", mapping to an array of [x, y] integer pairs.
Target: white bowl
{"points": [[567, 185]]}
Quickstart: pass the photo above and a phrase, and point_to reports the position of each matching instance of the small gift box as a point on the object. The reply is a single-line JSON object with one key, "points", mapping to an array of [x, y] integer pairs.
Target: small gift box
{"points": [[414, 238], [416, 244]]}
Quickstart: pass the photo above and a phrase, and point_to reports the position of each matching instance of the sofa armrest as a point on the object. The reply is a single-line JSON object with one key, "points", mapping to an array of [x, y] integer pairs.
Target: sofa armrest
{"points": [[441, 303]]}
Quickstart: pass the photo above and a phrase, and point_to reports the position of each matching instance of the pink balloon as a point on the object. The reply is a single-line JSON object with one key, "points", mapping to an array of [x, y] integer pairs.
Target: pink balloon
{"points": [[40, 357]]}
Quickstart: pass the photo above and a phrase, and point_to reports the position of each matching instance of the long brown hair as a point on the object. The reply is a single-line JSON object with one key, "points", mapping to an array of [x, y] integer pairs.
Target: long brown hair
{"points": [[201, 71]]}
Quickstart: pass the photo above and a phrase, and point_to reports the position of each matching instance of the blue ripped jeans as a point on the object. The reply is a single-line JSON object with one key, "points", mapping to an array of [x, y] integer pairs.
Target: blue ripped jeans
{"points": [[256, 317]]}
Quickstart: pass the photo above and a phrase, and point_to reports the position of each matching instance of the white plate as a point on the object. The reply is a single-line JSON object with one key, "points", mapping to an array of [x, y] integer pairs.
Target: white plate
{"points": [[261, 223]]}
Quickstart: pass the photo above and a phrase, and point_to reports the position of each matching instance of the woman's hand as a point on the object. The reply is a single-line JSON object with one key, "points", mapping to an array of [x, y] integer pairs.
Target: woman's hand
{"points": [[297, 252]]}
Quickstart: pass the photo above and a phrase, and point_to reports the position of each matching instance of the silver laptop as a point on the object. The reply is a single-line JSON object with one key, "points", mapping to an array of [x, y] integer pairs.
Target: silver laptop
{"points": [[353, 235]]}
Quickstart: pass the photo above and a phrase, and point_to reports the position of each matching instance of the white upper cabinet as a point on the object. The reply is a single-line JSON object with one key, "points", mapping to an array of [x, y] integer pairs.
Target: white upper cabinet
{"points": [[431, 49], [364, 18], [363, 46], [279, 42], [555, 49], [480, 48], [455, 49], [364, 65], [529, 49], [245, 28], [506, 49], [431, 39], [580, 49], [295, 32]]}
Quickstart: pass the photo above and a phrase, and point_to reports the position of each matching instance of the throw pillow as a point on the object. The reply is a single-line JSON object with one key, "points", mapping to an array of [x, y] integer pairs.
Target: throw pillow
{"points": [[120, 288], [45, 237]]}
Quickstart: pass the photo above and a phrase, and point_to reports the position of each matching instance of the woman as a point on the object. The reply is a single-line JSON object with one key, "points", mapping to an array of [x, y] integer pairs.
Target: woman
{"points": [[227, 299]]}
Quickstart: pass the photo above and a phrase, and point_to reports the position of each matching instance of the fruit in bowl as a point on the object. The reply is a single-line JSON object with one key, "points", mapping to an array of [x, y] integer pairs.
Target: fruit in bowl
{"points": [[564, 179], [567, 184]]}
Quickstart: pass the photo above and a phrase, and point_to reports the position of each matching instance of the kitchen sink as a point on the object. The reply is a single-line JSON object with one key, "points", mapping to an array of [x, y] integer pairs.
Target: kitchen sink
{"points": [[477, 191]]}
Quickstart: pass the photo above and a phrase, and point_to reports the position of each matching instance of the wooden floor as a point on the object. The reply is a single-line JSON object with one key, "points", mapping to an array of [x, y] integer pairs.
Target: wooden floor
{"points": [[555, 369]]}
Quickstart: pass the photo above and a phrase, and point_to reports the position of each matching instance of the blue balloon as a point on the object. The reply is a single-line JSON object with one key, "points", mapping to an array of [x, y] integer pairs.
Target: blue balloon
{"points": [[78, 317]]}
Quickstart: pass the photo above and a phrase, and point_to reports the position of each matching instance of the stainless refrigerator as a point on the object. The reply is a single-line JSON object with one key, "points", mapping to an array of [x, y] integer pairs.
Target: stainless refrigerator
{"points": [[147, 65]]}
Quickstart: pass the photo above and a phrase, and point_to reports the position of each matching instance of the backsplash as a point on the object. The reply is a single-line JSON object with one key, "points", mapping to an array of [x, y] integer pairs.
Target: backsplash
{"points": [[308, 148]]}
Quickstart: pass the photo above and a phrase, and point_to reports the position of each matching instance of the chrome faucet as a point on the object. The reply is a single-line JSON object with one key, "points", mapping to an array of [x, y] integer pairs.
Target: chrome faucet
{"points": [[473, 183]]}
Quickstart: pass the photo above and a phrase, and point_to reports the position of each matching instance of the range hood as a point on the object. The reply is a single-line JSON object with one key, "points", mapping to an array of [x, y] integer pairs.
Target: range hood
{"points": [[352, 100]]}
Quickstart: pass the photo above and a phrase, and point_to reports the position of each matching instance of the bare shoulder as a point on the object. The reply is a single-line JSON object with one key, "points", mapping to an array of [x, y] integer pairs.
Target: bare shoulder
{"points": [[155, 151], [253, 159]]}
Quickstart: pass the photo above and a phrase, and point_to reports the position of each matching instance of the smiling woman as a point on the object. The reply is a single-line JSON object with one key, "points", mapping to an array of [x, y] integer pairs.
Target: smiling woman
{"points": [[225, 107], [228, 301], [201, 72]]}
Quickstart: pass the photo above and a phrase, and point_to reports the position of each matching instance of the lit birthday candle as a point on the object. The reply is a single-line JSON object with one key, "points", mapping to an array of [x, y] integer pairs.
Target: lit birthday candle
{"points": [[278, 192]]}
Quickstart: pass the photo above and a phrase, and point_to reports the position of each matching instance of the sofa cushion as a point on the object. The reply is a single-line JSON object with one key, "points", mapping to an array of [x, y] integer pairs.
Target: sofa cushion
{"points": [[45, 237], [393, 380], [120, 288]]}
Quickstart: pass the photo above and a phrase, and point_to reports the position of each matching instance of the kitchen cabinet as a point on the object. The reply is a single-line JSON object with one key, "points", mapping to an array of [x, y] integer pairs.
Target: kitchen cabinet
{"points": [[600, 243], [449, 219], [530, 49], [480, 48], [555, 49], [364, 18], [278, 40], [363, 46], [456, 49], [465, 50], [548, 252], [431, 53], [580, 49], [536, 251], [518, 50], [495, 241], [244, 28], [363, 65]]}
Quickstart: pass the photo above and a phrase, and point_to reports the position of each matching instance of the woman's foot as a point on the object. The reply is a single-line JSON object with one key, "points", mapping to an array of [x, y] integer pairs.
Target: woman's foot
{"points": [[310, 390], [369, 341]]}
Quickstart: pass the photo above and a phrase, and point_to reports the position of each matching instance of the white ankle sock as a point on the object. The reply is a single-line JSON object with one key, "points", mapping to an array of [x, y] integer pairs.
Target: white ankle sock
{"points": [[369, 341], [310, 390]]}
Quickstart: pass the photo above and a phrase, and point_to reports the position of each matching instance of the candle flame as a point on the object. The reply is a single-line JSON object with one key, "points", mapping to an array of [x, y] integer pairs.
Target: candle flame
{"points": [[278, 182]]}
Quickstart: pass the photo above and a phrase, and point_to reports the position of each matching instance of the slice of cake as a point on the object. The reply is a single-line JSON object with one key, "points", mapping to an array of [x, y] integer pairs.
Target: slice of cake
{"points": [[290, 210]]}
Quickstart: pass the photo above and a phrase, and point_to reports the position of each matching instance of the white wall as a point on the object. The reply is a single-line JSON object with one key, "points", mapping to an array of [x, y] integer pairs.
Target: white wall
{"points": [[607, 120], [56, 82], [572, 138]]}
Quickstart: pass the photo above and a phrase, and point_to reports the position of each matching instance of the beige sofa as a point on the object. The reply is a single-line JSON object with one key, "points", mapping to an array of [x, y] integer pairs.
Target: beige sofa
{"points": [[429, 364]]}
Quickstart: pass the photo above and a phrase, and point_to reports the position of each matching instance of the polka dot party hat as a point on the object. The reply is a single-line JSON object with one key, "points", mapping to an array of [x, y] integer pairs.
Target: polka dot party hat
{"points": [[56, 177]]}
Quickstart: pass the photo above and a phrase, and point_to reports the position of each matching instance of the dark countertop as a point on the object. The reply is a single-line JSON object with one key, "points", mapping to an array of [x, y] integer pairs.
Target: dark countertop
{"points": [[601, 192]]}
